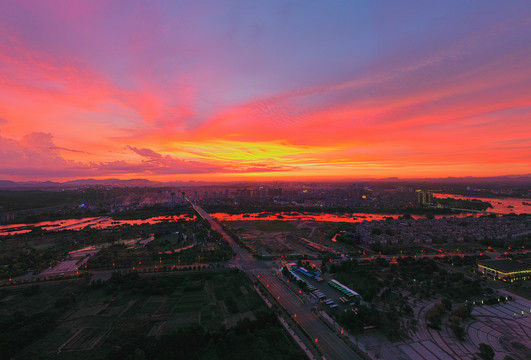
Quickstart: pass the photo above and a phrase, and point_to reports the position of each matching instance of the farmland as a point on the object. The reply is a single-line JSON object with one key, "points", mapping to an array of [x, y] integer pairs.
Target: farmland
{"points": [[129, 313]]}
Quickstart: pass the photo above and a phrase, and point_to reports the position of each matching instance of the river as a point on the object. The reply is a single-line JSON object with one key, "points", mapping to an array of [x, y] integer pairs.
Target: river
{"points": [[101, 222], [499, 205]]}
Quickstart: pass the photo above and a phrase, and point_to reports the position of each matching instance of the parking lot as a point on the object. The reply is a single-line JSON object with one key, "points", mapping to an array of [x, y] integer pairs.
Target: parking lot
{"points": [[335, 297]]}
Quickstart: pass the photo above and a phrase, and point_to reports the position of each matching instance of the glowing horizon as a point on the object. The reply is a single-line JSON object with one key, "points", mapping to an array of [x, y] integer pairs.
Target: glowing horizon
{"points": [[221, 91]]}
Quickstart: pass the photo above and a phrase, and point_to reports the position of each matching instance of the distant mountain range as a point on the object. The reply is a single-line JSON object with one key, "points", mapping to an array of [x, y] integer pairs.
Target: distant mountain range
{"points": [[82, 183], [49, 185]]}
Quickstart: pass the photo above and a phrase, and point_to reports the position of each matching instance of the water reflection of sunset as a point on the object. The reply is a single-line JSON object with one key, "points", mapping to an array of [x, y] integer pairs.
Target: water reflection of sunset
{"points": [[499, 205], [92, 223], [106, 222]]}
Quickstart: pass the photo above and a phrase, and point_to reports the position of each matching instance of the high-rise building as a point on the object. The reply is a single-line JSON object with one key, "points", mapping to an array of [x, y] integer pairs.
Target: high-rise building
{"points": [[424, 197]]}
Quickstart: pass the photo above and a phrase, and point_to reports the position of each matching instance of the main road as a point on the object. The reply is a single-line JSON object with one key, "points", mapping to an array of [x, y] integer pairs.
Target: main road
{"points": [[330, 345]]}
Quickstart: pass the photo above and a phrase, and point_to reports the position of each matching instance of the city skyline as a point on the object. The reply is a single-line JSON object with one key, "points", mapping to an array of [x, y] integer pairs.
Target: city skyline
{"points": [[235, 90]]}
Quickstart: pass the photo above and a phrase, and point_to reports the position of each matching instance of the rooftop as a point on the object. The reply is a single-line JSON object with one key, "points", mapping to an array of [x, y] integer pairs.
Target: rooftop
{"points": [[506, 265]]}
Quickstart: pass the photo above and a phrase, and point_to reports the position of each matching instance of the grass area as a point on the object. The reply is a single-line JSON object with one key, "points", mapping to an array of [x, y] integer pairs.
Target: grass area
{"points": [[41, 246], [171, 241], [265, 225]]}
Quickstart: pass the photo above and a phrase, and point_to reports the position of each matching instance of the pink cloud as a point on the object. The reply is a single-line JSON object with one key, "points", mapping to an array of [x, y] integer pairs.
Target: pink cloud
{"points": [[145, 152]]}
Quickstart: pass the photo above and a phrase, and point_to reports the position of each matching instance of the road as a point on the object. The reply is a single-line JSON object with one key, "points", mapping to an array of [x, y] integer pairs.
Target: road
{"points": [[243, 259], [328, 343]]}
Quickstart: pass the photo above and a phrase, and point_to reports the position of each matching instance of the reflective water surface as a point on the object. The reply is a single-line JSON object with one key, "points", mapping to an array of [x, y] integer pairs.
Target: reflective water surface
{"points": [[499, 205], [91, 222]]}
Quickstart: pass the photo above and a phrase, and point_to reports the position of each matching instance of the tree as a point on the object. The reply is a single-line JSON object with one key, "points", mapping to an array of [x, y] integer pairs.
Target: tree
{"points": [[486, 352], [463, 311], [447, 303], [286, 272], [434, 315], [459, 332], [323, 265], [455, 324], [138, 354]]}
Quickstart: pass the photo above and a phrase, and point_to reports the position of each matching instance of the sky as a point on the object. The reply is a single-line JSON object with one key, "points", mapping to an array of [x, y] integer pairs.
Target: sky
{"points": [[264, 90]]}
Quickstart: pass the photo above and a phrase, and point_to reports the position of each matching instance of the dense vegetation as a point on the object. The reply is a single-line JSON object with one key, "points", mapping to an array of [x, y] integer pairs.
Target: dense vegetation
{"points": [[472, 204]]}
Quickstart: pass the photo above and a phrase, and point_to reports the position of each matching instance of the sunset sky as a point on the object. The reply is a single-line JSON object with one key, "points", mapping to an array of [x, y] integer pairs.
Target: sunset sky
{"points": [[232, 90]]}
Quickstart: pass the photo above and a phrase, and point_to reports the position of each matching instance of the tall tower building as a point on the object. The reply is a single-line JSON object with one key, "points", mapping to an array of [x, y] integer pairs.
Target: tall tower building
{"points": [[424, 197]]}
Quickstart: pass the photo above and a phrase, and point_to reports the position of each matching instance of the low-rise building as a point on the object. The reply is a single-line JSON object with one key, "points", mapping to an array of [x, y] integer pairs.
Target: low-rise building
{"points": [[506, 269]]}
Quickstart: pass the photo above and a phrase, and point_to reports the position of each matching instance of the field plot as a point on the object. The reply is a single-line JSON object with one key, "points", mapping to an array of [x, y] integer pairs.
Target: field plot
{"points": [[90, 321], [88, 311], [153, 306], [183, 319], [111, 311], [185, 308], [85, 339], [46, 296], [188, 302]]}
